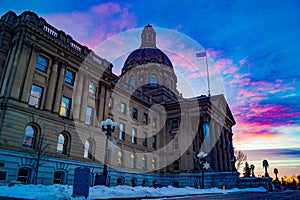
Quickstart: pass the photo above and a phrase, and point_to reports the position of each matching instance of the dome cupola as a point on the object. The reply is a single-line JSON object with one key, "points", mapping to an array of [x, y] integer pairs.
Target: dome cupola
{"points": [[147, 53]]}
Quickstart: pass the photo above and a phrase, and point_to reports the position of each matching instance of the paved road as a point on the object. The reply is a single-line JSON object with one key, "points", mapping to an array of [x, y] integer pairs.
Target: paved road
{"points": [[287, 195]]}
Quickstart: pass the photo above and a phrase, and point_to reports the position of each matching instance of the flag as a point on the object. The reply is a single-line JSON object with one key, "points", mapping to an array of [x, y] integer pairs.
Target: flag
{"points": [[201, 54]]}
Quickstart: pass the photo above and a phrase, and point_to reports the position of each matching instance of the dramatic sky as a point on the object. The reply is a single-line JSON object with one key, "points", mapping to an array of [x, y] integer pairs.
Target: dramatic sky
{"points": [[253, 47]]}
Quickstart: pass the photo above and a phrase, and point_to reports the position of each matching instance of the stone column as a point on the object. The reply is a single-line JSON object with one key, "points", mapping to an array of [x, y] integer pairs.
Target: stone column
{"points": [[26, 90], [206, 143], [59, 89], [225, 166], [78, 95], [227, 151], [219, 149], [84, 97], [214, 164], [52, 84]]}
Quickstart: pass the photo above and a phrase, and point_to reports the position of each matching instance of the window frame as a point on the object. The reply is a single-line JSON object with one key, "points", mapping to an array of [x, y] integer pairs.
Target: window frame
{"points": [[67, 108], [89, 118], [88, 152], [175, 145], [135, 114], [134, 135], [27, 177], [145, 118], [120, 158], [110, 102], [122, 131], [32, 97], [145, 138], [132, 80], [144, 164], [65, 144], [44, 68], [62, 178], [133, 160], [153, 80], [123, 108], [92, 90], [32, 138], [154, 141], [153, 164], [70, 80]]}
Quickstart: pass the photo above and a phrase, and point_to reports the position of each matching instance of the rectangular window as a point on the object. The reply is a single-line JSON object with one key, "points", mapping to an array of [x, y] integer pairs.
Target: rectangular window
{"points": [[65, 107], [154, 141], [143, 163], [92, 88], [110, 102], [122, 132], [3, 175], [174, 124], [132, 157], [144, 138], [145, 118], [175, 143], [58, 178], [134, 113], [70, 77], [154, 122], [133, 136], [35, 96], [89, 115], [42, 64], [123, 108]]}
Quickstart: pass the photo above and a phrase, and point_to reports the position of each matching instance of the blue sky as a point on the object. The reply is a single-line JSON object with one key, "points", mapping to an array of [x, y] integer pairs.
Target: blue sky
{"points": [[254, 45]]}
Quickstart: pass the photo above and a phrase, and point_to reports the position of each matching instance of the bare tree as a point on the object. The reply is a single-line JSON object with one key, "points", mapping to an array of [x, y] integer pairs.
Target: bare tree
{"points": [[240, 157], [40, 152]]}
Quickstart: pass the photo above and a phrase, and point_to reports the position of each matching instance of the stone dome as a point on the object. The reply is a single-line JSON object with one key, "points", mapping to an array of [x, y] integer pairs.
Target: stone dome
{"points": [[147, 53]]}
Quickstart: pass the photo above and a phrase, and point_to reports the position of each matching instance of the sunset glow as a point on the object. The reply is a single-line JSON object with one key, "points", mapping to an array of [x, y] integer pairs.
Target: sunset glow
{"points": [[253, 50]]}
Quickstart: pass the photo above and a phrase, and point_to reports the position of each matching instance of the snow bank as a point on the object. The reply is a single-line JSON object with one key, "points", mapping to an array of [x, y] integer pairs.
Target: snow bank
{"points": [[64, 192], [39, 192]]}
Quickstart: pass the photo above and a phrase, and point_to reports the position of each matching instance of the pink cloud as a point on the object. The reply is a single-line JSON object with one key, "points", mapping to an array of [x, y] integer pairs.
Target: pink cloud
{"points": [[214, 53], [226, 66], [243, 61], [94, 25], [247, 93]]}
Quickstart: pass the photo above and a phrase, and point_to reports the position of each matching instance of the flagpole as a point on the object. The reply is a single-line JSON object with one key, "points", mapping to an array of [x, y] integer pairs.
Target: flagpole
{"points": [[208, 83]]}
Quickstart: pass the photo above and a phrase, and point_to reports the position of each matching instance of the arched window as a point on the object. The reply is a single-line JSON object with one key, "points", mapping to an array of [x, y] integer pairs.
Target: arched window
{"points": [[120, 158], [153, 80], [88, 149], [120, 181], [62, 144], [153, 164], [29, 136], [132, 159], [24, 175], [133, 182], [59, 177], [132, 80], [176, 166]]}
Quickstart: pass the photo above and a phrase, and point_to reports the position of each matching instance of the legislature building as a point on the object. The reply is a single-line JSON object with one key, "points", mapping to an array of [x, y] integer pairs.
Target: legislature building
{"points": [[54, 93]]}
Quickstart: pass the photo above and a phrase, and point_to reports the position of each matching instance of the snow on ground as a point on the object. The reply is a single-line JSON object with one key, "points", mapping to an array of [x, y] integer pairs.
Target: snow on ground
{"points": [[64, 192]]}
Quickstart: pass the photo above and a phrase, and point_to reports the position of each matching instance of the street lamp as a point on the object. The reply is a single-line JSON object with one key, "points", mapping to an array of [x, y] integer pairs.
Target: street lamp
{"points": [[201, 155], [107, 126]]}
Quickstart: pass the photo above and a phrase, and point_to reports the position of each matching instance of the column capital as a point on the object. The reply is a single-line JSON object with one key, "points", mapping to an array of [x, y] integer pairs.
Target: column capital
{"points": [[206, 117]]}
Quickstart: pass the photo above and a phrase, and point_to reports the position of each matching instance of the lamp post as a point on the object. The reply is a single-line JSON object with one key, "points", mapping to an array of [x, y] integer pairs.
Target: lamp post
{"points": [[201, 155], [107, 126]]}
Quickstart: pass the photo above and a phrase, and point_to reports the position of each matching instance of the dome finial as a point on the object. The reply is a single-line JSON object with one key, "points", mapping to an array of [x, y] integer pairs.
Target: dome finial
{"points": [[148, 37]]}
